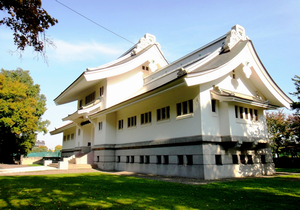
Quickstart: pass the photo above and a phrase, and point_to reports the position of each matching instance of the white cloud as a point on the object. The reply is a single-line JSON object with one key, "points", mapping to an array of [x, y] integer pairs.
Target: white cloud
{"points": [[66, 52]]}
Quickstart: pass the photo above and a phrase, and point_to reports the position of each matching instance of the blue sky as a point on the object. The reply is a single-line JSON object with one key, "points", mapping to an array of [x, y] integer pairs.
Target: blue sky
{"points": [[179, 26]]}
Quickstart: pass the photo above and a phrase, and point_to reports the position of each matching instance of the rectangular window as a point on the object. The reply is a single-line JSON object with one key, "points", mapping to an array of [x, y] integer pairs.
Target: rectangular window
{"points": [[180, 159], [185, 107], [242, 159], [80, 103], [213, 105], [147, 159], [163, 113], [120, 125], [100, 126], [89, 98], [235, 159], [98, 158], [218, 159], [263, 159], [166, 159], [146, 118], [72, 136], [65, 138], [127, 159], [132, 159], [68, 137], [246, 113], [236, 111], [189, 159], [78, 132], [241, 112], [141, 159], [251, 114], [131, 121], [158, 159], [102, 91], [250, 160], [255, 117], [118, 159]]}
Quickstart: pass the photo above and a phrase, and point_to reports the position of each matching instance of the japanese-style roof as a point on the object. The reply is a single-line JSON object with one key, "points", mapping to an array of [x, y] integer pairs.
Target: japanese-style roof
{"points": [[145, 51]]}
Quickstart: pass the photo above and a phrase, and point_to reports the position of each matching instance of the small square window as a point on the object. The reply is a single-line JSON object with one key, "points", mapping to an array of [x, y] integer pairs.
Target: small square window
{"points": [[147, 159], [218, 159], [180, 159], [263, 159], [120, 124], [166, 159], [100, 126], [250, 160], [141, 159], [213, 105], [189, 159], [132, 159], [235, 159], [158, 159], [242, 159]]}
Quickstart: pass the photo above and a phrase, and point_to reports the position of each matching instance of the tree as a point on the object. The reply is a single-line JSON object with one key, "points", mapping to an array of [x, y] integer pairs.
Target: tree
{"points": [[40, 149], [58, 147], [283, 130], [28, 20], [296, 105], [21, 108]]}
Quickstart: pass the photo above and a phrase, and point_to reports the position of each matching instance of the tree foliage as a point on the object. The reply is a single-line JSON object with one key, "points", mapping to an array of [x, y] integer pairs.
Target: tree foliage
{"points": [[296, 105], [21, 108], [283, 130], [28, 21], [58, 148], [40, 149]]}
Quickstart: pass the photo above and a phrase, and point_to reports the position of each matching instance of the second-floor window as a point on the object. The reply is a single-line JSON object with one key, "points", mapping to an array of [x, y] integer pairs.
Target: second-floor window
{"points": [[100, 125], [120, 126], [185, 107], [131, 121], [102, 91], [89, 98], [246, 113], [163, 113], [146, 118]]}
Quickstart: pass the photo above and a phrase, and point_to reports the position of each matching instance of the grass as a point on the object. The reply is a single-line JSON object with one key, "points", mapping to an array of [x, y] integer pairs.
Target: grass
{"points": [[34, 164], [290, 170], [103, 191]]}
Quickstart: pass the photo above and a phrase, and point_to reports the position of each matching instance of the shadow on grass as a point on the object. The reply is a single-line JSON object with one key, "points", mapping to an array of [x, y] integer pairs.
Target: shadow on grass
{"points": [[101, 191]]}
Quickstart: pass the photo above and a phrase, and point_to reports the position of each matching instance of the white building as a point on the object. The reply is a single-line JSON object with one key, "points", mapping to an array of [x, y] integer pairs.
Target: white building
{"points": [[202, 116]]}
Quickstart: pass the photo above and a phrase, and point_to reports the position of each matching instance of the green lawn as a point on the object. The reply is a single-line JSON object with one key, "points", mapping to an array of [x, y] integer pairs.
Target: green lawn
{"points": [[101, 191], [290, 170]]}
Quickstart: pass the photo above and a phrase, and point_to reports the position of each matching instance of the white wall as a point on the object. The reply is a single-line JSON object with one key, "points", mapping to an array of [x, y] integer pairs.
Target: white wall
{"points": [[69, 144], [164, 129], [122, 86]]}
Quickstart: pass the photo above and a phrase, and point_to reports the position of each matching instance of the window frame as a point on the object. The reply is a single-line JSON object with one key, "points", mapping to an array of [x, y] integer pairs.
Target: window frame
{"points": [[185, 108], [146, 118], [131, 122], [163, 114]]}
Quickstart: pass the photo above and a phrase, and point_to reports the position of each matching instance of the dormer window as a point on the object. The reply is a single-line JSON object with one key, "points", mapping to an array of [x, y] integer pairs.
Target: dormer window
{"points": [[89, 98]]}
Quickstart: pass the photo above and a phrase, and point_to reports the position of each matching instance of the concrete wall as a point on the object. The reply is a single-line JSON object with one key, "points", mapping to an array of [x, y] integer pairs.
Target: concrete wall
{"points": [[170, 169], [31, 160]]}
